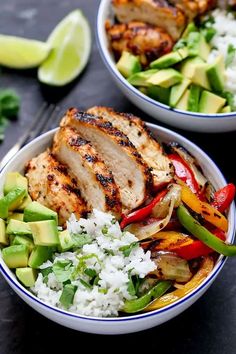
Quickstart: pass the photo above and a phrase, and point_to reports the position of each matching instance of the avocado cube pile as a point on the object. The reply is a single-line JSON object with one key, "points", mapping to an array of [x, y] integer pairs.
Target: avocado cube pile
{"points": [[183, 78], [28, 230]]}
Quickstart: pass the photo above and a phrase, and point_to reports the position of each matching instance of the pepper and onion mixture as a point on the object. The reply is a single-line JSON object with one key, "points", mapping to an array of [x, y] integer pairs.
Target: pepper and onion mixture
{"points": [[184, 226]]}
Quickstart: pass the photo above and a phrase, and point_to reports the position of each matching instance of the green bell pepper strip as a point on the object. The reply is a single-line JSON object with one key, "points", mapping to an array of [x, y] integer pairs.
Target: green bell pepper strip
{"points": [[200, 232], [136, 305]]}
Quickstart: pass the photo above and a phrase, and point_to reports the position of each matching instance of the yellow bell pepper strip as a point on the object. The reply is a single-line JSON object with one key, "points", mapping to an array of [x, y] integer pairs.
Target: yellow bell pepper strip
{"points": [[168, 299], [200, 232], [137, 305], [208, 212]]}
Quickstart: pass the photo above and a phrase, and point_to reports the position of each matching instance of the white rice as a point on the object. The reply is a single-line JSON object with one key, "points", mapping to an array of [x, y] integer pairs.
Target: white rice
{"points": [[111, 265], [225, 26]]}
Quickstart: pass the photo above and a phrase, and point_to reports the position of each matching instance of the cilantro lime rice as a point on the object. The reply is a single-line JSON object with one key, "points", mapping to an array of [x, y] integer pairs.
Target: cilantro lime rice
{"points": [[94, 279]]}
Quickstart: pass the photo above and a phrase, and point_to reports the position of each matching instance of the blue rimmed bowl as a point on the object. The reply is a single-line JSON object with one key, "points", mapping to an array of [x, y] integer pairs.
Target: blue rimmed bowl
{"points": [[122, 324], [199, 122]]}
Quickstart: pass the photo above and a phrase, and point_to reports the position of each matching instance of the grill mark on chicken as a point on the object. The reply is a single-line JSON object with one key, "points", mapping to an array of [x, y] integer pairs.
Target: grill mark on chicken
{"points": [[51, 185], [96, 182], [140, 136], [100, 132]]}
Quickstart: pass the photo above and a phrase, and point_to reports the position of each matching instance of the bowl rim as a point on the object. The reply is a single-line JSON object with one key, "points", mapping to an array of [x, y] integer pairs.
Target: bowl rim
{"points": [[7, 273], [106, 56]]}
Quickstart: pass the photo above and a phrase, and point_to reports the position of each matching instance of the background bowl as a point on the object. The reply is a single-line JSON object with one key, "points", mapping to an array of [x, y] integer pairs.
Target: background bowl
{"points": [[211, 123], [122, 324]]}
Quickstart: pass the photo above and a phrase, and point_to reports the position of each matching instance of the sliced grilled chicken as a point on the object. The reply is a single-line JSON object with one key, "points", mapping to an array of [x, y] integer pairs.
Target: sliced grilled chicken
{"points": [[51, 185], [95, 181], [130, 172], [138, 133], [155, 12], [192, 8], [141, 39]]}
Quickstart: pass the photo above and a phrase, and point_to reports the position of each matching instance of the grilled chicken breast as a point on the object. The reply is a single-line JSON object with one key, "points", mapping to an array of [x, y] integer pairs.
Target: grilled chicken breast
{"points": [[138, 133], [155, 12], [51, 185], [192, 8], [130, 172], [144, 40], [95, 181]]}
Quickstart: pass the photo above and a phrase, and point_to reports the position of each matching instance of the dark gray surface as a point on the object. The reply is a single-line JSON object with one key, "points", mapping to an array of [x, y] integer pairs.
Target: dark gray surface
{"points": [[209, 326]]}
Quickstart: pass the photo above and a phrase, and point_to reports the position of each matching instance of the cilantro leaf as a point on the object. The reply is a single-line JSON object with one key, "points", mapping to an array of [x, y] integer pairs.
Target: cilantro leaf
{"points": [[127, 249], [230, 55], [62, 270]]}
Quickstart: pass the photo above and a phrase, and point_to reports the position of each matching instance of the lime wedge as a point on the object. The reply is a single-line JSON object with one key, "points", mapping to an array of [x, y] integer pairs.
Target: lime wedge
{"points": [[71, 43], [21, 53]]}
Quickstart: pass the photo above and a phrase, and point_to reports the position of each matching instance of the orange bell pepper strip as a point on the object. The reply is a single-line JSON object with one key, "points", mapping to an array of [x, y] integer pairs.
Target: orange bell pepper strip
{"points": [[207, 211], [169, 298]]}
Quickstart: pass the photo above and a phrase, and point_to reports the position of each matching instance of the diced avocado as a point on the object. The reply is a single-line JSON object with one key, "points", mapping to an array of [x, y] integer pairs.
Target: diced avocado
{"points": [[170, 59], [39, 255], [65, 241], [16, 227], [216, 74], [226, 109], [187, 66], [143, 90], [37, 212], [11, 201], [3, 236], [194, 96], [198, 46], [210, 103], [177, 91], [23, 240], [159, 93], [26, 201], [165, 78], [16, 256], [199, 75], [128, 64], [14, 180], [140, 79], [44, 232], [15, 216], [27, 276], [190, 28], [183, 102]]}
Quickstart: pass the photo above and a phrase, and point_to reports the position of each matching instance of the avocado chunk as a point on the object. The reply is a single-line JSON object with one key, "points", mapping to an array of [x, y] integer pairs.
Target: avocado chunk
{"points": [[3, 235], [193, 100], [159, 93], [27, 276], [187, 66], [210, 103], [11, 201], [16, 256], [183, 102], [170, 59], [216, 74], [177, 91], [14, 180], [226, 109], [66, 242], [190, 28], [128, 64], [26, 201], [140, 79], [39, 255], [44, 232], [198, 46], [15, 216], [165, 78], [23, 240], [16, 227], [38, 212]]}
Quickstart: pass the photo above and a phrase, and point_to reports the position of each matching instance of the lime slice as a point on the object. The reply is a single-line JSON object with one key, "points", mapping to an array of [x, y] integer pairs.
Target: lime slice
{"points": [[21, 53], [71, 43]]}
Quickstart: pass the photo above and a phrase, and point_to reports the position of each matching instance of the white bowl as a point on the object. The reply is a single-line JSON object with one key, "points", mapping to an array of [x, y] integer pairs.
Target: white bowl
{"points": [[122, 324], [211, 123]]}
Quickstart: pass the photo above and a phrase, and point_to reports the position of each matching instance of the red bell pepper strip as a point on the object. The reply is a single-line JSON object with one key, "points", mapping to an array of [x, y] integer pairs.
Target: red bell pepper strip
{"points": [[197, 248], [184, 172], [224, 197], [142, 213]]}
